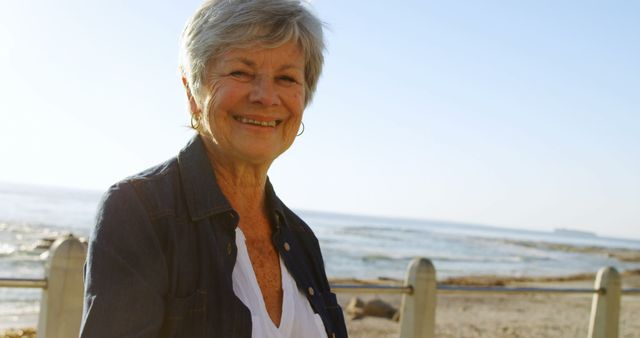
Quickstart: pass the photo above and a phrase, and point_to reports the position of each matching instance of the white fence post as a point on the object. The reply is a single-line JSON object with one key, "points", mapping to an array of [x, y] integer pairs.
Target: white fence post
{"points": [[61, 304], [605, 307], [418, 314]]}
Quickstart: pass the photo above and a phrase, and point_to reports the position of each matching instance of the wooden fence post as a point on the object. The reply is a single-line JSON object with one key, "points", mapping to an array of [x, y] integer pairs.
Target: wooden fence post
{"points": [[61, 304], [418, 312], [605, 307]]}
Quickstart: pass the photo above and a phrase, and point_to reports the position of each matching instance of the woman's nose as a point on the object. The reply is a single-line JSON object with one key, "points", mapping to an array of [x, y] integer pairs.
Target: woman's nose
{"points": [[264, 92]]}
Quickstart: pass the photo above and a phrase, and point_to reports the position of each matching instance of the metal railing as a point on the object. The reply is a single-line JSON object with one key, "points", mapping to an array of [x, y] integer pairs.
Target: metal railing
{"points": [[23, 283], [62, 288], [387, 289]]}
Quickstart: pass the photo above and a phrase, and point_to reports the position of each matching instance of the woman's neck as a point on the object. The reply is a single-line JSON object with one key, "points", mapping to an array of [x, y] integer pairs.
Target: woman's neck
{"points": [[245, 189], [242, 183]]}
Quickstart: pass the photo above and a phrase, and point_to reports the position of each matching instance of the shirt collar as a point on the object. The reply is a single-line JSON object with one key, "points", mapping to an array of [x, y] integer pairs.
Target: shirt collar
{"points": [[274, 204], [203, 195]]}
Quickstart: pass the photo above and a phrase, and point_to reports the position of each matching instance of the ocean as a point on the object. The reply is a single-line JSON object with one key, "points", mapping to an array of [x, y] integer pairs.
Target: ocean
{"points": [[353, 246]]}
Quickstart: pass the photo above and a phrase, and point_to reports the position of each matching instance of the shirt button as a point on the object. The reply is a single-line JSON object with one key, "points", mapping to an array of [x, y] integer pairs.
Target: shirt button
{"points": [[229, 249], [287, 247], [311, 291]]}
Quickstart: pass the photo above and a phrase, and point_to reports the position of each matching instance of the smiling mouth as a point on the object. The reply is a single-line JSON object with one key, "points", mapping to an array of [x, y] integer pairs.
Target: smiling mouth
{"points": [[244, 120]]}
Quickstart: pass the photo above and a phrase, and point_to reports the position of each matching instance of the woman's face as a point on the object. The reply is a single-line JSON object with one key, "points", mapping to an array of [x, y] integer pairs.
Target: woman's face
{"points": [[253, 102]]}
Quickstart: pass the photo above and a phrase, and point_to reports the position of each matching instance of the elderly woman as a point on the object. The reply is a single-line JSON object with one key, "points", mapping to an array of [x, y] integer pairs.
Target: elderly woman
{"points": [[201, 246]]}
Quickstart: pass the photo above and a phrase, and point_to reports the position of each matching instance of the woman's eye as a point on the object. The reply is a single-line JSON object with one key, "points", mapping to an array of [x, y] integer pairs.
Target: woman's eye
{"points": [[288, 79], [240, 74]]}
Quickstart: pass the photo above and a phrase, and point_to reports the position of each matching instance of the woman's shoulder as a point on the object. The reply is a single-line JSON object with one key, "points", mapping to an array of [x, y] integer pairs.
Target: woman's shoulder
{"points": [[155, 188], [154, 175]]}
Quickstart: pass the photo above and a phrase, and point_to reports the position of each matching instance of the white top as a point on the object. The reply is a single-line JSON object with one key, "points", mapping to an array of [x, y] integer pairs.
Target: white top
{"points": [[298, 318]]}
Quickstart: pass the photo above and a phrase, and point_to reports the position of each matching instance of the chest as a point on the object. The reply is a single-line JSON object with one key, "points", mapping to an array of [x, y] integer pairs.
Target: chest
{"points": [[266, 266], [266, 262]]}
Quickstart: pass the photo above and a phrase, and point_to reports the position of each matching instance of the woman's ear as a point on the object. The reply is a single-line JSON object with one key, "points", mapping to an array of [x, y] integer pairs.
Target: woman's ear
{"points": [[193, 105]]}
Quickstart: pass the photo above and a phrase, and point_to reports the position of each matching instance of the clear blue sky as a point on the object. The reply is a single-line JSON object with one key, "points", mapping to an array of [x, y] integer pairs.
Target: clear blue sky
{"points": [[522, 114]]}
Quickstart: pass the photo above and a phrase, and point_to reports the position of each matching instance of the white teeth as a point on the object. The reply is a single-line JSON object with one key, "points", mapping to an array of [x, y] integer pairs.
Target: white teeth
{"points": [[258, 123]]}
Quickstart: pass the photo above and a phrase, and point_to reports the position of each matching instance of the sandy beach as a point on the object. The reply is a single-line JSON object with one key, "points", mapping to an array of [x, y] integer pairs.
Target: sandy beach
{"points": [[497, 315], [509, 315]]}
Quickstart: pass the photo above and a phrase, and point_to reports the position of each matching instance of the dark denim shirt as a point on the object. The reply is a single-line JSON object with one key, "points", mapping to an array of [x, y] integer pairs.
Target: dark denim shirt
{"points": [[162, 253]]}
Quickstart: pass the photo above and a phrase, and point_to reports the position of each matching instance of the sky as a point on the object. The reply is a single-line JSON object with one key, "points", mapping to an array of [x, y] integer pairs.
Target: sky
{"points": [[520, 114]]}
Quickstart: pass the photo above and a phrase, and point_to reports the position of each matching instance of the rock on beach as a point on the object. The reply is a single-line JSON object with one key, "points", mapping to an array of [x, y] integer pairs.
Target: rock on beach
{"points": [[19, 333]]}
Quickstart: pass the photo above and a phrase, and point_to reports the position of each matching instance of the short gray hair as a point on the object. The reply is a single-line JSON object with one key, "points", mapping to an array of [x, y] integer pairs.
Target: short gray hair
{"points": [[221, 25]]}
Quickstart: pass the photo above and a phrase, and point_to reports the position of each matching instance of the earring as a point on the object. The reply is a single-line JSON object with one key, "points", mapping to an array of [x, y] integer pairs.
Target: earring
{"points": [[195, 122], [301, 132]]}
